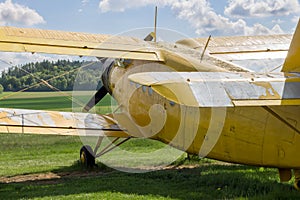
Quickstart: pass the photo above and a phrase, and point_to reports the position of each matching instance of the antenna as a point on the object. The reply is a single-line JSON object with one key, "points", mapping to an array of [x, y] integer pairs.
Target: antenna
{"points": [[155, 23], [205, 47], [152, 36]]}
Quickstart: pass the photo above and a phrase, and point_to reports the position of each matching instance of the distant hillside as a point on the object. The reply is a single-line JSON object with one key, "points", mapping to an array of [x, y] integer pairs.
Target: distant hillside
{"points": [[60, 74]]}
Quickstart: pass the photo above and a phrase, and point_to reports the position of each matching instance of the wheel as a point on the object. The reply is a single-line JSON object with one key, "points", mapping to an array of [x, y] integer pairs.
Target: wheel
{"points": [[297, 179], [87, 157]]}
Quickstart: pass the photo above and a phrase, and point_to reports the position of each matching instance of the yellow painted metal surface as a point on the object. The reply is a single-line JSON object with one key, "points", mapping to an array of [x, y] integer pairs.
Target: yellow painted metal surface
{"points": [[262, 134], [211, 89], [243, 47], [251, 135], [71, 43]]}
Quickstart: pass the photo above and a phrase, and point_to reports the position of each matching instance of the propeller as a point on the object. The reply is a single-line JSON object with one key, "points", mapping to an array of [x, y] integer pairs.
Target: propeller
{"points": [[104, 89], [107, 66], [95, 99]]}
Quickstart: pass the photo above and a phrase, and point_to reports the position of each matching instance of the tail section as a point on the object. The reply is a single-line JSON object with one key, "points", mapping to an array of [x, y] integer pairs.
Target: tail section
{"points": [[292, 61]]}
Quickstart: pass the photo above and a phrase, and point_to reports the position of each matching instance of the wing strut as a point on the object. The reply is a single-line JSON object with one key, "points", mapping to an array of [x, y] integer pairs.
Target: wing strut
{"points": [[205, 47]]}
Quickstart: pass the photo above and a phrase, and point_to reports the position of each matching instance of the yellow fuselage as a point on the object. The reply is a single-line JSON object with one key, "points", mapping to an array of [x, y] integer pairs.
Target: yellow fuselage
{"points": [[263, 136]]}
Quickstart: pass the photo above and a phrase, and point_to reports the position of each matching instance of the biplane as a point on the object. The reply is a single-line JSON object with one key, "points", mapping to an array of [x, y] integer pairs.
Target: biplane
{"points": [[188, 94]]}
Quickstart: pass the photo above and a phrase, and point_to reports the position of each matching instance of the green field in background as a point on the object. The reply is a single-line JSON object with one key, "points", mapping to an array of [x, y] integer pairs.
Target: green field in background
{"points": [[61, 101]]}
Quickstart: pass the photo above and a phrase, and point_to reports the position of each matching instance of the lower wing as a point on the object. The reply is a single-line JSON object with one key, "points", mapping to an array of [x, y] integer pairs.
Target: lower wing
{"points": [[57, 123]]}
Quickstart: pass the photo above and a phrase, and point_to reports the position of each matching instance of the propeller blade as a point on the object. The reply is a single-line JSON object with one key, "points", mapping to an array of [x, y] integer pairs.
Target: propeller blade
{"points": [[95, 99]]}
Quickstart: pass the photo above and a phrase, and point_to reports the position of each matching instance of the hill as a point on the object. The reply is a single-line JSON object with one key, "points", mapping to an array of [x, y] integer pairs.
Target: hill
{"points": [[60, 74]]}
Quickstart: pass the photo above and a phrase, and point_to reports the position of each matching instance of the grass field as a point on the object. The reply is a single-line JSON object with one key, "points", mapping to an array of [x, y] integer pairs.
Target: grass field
{"points": [[46, 167], [50, 101]]}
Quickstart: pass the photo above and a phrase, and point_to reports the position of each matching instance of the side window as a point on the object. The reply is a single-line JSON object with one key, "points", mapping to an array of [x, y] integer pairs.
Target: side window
{"points": [[150, 91]]}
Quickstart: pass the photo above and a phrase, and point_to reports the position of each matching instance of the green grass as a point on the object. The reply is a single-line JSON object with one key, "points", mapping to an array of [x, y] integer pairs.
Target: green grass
{"points": [[28, 154], [25, 154], [38, 154], [51, 101], [36, 100]]}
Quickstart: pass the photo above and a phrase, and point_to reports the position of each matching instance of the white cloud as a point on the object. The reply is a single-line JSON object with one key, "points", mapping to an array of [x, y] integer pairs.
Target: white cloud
{"points": [[295, 19], [84, 2], [277, 21], [205, 20], [261, 8], [13, 13], [258, 29], [122, 5], [202, 17]]}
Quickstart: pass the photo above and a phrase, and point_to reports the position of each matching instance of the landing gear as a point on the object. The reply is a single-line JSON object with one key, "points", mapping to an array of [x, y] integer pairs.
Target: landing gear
{"points": [[297, 179], [286, 175], [87, 157]]}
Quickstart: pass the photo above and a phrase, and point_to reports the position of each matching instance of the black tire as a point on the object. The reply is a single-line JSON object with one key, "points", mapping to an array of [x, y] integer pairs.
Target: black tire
{"points": [[87, 157]]}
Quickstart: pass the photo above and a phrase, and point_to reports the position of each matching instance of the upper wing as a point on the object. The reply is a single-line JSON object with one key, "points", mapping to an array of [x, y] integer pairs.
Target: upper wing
{"points": [[57, 123], [14, 39], [83, 44], [243, 47], [222, 89]]}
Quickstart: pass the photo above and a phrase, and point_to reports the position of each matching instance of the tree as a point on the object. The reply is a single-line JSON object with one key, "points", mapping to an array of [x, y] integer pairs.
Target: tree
{"points": [[1, 89], [61, 74]]}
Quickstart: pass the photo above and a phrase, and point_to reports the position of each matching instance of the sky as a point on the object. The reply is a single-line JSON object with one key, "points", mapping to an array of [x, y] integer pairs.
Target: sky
{"points": [[191, 18]]}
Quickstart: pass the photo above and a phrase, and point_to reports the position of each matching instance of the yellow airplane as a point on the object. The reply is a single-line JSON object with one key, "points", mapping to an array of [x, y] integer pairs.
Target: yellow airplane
{"points": [[187, 94]]}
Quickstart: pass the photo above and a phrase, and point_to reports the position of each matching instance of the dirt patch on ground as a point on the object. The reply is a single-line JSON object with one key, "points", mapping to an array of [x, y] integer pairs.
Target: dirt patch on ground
{"points": [[48, 177], [53, 178]]}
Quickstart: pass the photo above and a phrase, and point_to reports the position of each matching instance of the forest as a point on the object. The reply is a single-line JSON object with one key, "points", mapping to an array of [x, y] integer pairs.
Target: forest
{"points": [[46, 75]]}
